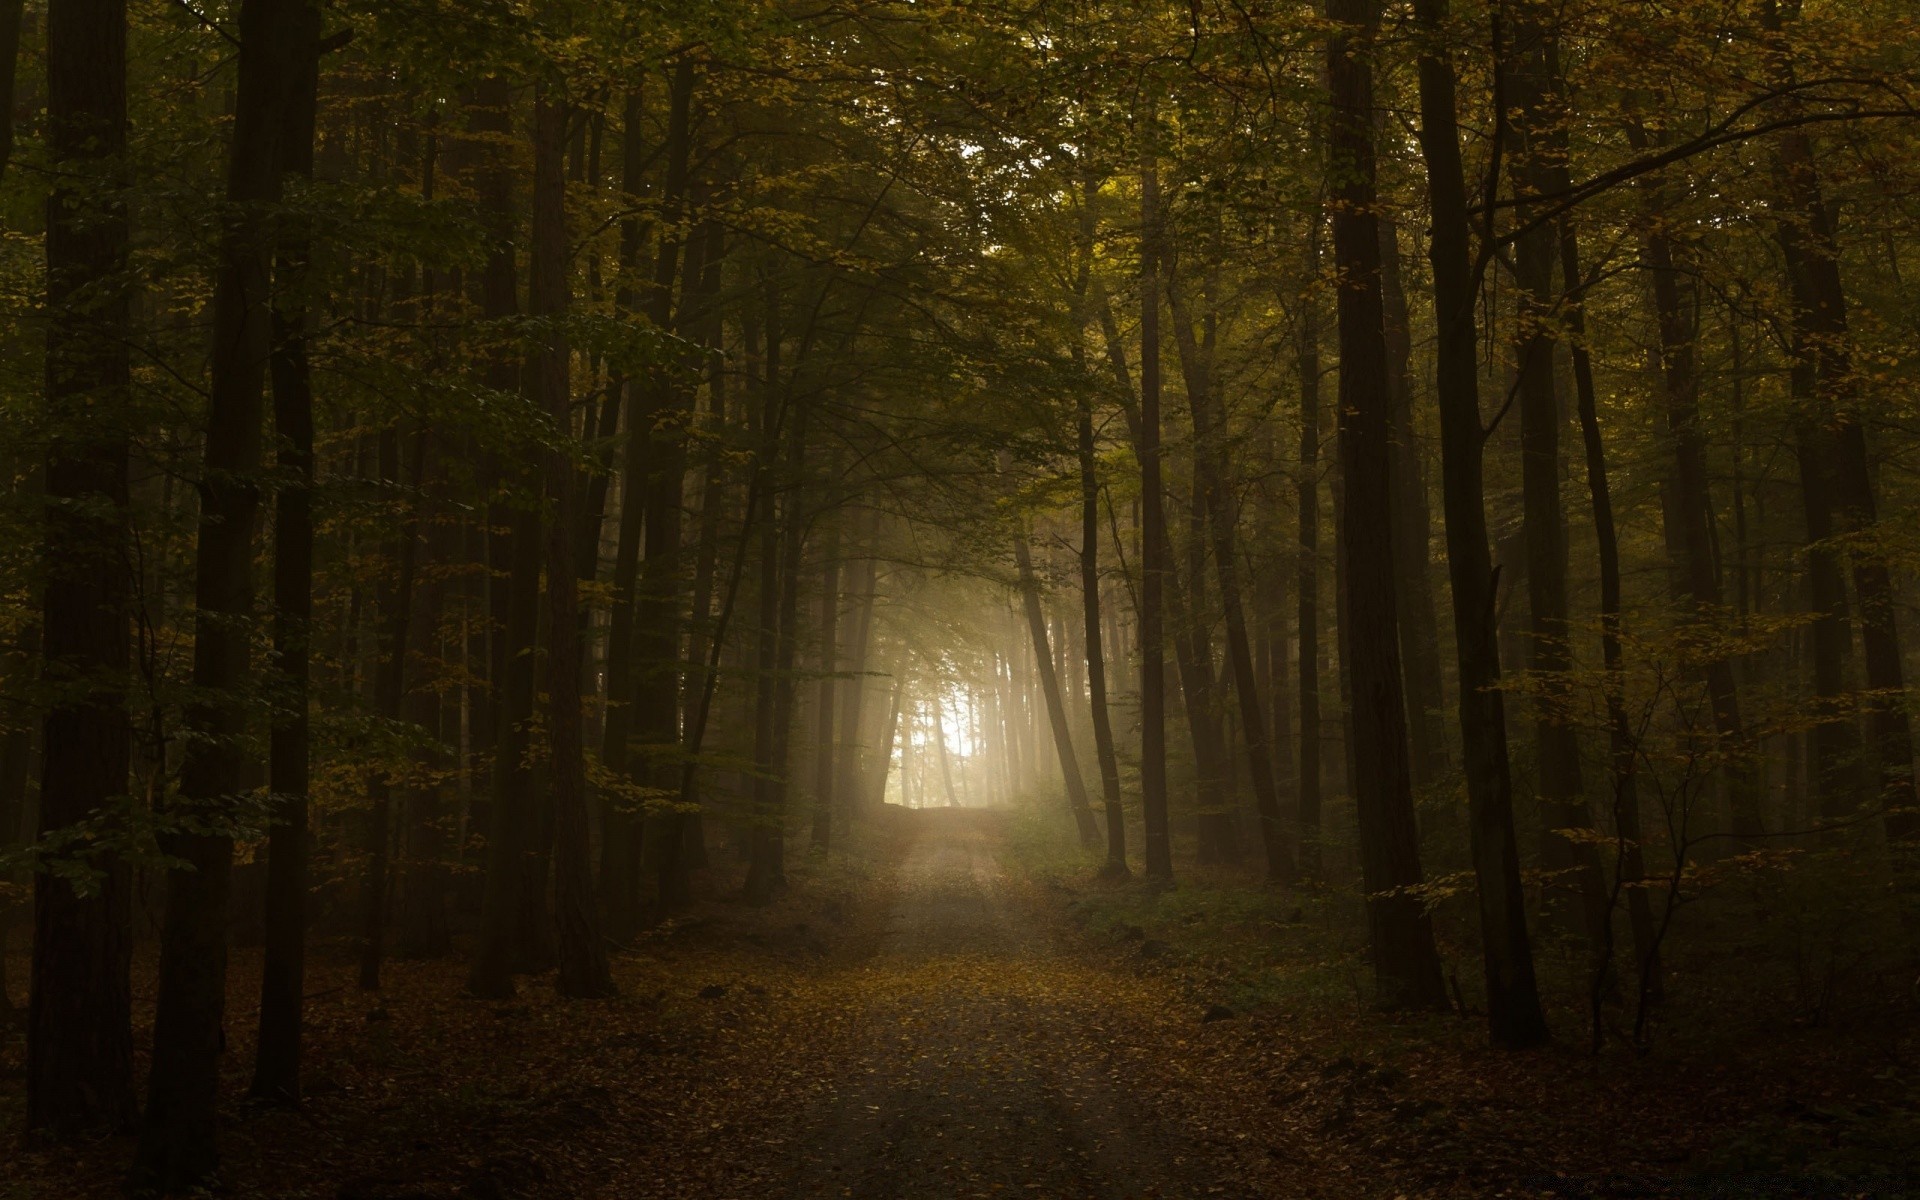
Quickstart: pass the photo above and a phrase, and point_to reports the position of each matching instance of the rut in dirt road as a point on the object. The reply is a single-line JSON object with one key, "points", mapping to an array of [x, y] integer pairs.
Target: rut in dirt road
{"points": [[984, 1068]]}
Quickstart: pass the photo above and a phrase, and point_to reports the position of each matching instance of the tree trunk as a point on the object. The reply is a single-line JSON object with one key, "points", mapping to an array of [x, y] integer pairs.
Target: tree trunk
{"points": [[79, 1022], [1154, 558], [1419, 626], [1514, 1017], [1689, 511], [823, 764], [1050, 692], [276, 1068], [1307, 799], [1821, 307], [854, 796], [766, 871], [1538, 166], [1405, 963], [513, 601], [395, 609], [424, 932], [176, 1148], [1211, 477], [1622, 746], [580, 949], [1103, 748], [11, 12]]}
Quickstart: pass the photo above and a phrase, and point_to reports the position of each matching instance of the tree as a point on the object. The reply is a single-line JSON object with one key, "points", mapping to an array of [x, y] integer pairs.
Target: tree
{"points": [[80, 1036], [1405, 963]]}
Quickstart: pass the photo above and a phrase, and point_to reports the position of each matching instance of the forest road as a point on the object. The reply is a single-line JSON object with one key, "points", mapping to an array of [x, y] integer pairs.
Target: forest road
{"points": [[983, 1067]]}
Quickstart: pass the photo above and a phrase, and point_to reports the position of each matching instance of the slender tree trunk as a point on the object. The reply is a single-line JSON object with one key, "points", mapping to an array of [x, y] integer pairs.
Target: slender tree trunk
{"points": [[1307, 799], [79, 1020], [506, 937], [1096, 655], [1406, 965], [1514, 1016], [823, 764], [1537, 164], [766, 870], [1050, 691], [1689, 511], [854, 797], [1419, 626], [424, 931], [1211, 477], [276, 1068], [1154, 559], [395, 609], [1821, 309], [885, 757], [11, 14], [621, 822], [177, 1138], [581, 950], [1622, 746]]}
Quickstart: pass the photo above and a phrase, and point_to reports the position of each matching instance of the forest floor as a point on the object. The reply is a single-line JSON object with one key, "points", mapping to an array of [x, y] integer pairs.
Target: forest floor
{"points": [[935, 1018]]}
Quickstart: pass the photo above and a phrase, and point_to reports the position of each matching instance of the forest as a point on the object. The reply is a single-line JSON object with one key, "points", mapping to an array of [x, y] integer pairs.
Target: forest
{"points": [[922, 598]]}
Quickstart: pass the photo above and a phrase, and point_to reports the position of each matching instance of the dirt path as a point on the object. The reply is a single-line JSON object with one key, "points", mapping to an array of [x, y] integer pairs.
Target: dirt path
{"points": [[983, 1062]]}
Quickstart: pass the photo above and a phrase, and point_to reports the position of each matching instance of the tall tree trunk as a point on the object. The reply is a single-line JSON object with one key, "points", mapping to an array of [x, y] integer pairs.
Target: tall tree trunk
{"points": [[1419, 626], [1307, 798], [1689, 510], [1622, 745], [1406, 964], [176, 1147], [1154, 557], [580, 949], [395, 610], [1211, 477], [276, 1068], [621, 822], [1050, 692], [1821, 310], [1103, 748], [79, 1020], [766, 870], [823, 762], [424, 931], [11, 13], [508, 936], [1514, 1016], [854, 796], [669, 393], [885, 757], [1538, 166]]}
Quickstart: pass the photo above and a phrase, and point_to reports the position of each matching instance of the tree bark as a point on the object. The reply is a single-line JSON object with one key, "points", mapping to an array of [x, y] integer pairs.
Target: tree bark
{"points": [[276, 1068], [823, 762], [1405, 962], [79, 1020], [176, 1147], [1622, 745], [1514, 1016], [1050, 692], [513, 601], [1096, 655], [1537, 164], [580, 948], [1154, 557], [395, 612], [1419, 626], [1307, 359], [1688, 513], [1821, 311], [1211, 477]]}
